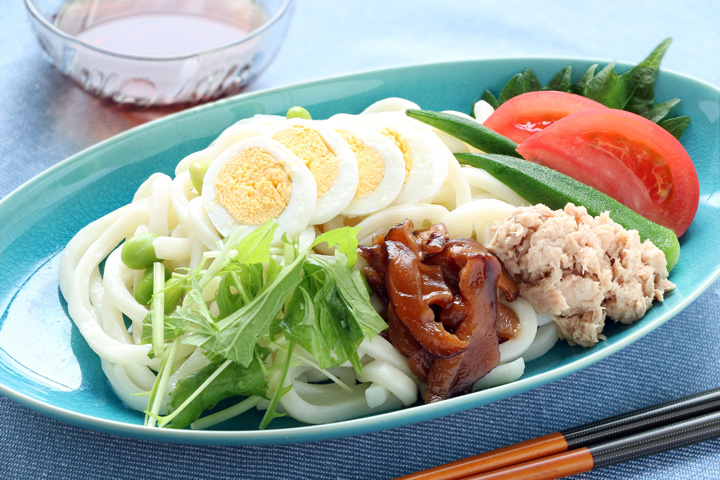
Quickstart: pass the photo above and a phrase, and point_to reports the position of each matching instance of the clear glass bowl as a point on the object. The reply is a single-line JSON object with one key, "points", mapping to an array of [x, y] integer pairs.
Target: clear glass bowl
{"points": [[209, 48]]}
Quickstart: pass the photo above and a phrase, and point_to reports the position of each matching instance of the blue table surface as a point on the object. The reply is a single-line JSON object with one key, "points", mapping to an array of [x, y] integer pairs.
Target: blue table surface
{"points": [[44, 119]]}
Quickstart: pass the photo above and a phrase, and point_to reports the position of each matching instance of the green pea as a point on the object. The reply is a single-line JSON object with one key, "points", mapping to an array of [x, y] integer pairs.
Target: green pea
{"points": [[144, 288], [138, 252], [197, 174], [298, 112], [173, 292]]}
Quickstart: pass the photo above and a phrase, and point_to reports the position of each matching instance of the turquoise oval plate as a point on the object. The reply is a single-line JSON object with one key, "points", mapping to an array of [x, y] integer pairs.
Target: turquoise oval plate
{"points": [[46, 365]]}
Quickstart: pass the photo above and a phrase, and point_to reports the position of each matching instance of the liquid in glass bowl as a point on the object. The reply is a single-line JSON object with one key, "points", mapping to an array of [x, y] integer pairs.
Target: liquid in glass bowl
{"points": [[160, 52]]}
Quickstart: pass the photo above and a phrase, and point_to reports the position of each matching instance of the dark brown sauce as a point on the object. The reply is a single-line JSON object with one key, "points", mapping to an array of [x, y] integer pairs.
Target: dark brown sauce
{"points": [[508, 325]]}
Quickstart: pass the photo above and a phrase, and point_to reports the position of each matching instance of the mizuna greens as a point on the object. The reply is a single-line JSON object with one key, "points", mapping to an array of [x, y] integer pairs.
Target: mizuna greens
{"points": [[265, 308]]}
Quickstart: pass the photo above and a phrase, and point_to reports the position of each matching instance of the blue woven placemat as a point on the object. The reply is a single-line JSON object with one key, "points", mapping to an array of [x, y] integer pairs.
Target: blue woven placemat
{"points": [[677, 359]]}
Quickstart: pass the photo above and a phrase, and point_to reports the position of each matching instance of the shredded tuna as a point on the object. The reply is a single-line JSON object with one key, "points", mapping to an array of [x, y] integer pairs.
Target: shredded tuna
{"points": [[580, 268]]}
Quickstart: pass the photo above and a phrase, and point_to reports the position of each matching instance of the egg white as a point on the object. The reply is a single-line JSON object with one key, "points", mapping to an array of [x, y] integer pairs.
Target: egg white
{"points": [[394, 166], [431, 157], [263, 119], [238, 131], [342, 191], [391, 104], [301, 206]]}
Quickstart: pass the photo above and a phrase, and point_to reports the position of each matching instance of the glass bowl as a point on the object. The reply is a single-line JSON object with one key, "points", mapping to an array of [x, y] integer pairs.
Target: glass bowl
{"points": [[160, 52]]}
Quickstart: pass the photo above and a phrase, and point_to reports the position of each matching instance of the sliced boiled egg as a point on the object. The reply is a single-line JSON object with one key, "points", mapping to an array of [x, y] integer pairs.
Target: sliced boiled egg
{"points": [[381, 166], [238, 132], [426, 157], [329, 159], [255, 180], [391, 104], [262, 119], [245, 128]]}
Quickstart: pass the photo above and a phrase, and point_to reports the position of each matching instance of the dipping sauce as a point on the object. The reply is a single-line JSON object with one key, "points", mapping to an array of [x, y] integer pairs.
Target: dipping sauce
{"points": [[161, 34], [154, 29]]}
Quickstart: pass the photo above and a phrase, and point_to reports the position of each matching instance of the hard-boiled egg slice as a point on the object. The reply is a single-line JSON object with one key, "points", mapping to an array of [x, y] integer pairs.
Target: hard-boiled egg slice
{"points": [[427, 159], [238, 132], [391, 104], [245, 128], [263, 119], [256, 180], [381, 166], [328, 157]]}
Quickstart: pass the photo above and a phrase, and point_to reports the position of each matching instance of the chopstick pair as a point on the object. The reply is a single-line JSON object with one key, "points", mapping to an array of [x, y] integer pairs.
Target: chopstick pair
{"points": [[617, 439]]}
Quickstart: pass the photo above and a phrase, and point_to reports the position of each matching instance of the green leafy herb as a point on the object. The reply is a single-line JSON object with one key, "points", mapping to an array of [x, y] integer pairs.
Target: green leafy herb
{"points": [[237, 334], [280, 389], [345, 313], [318, 302], [174, 326], [158, 310], [255, 246], [233, 381], [345, 239], [633, 90], [562, 81], [157, 392], [676, 125]]}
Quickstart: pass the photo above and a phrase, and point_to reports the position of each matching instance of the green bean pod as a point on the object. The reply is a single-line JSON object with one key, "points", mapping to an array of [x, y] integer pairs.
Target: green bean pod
{"points": [[469, 131]]}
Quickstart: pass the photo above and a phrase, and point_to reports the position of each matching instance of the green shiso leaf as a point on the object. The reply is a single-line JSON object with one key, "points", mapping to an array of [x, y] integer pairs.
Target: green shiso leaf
{"points": [[633, 90]]}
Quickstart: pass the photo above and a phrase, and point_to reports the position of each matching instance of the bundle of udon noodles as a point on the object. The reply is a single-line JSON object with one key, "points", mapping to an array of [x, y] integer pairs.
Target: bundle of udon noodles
{"points": [[370, 171]]}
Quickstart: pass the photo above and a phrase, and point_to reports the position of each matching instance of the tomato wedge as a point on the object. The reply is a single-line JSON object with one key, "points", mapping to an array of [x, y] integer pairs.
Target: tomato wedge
{"points": [[625, 156], [528, 113]]}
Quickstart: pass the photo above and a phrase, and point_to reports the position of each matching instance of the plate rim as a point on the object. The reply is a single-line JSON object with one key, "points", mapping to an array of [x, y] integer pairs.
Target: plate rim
{"points": [[357, 426], [309, 83]]}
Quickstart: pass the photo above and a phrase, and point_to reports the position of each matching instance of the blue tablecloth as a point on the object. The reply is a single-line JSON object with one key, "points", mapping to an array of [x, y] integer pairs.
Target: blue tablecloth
{"points": [[43, 119]]}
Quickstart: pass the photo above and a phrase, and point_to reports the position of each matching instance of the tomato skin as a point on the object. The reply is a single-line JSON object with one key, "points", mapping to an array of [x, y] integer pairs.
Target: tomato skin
{"points": [[531, 112], [625, 156]]}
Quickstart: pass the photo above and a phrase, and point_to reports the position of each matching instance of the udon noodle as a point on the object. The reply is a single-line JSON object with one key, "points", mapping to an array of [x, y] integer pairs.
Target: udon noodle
{"points": [[99, 290]]}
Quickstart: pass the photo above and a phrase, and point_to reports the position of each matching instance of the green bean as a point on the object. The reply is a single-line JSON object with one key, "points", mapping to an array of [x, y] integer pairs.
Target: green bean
{"points": [[298, 112], [144, 288], [138, 252], [197, 174]]}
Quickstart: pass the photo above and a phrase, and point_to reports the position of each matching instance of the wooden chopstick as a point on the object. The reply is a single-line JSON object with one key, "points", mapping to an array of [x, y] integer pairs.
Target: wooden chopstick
{"points": [[584, 459], [619, 426]]}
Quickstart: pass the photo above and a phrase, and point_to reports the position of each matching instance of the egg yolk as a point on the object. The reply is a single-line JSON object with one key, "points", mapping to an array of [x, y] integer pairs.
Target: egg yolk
{"points": [[310, 147], [371, 168], [253, 187], [404, 147]]}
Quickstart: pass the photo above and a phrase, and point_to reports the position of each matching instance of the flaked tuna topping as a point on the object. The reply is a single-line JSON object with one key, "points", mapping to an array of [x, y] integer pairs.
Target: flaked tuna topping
{"points": [[580, 268]]}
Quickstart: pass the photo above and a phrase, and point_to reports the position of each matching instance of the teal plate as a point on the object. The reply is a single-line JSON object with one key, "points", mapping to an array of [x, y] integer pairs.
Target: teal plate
{"points": [[45, 363]]}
